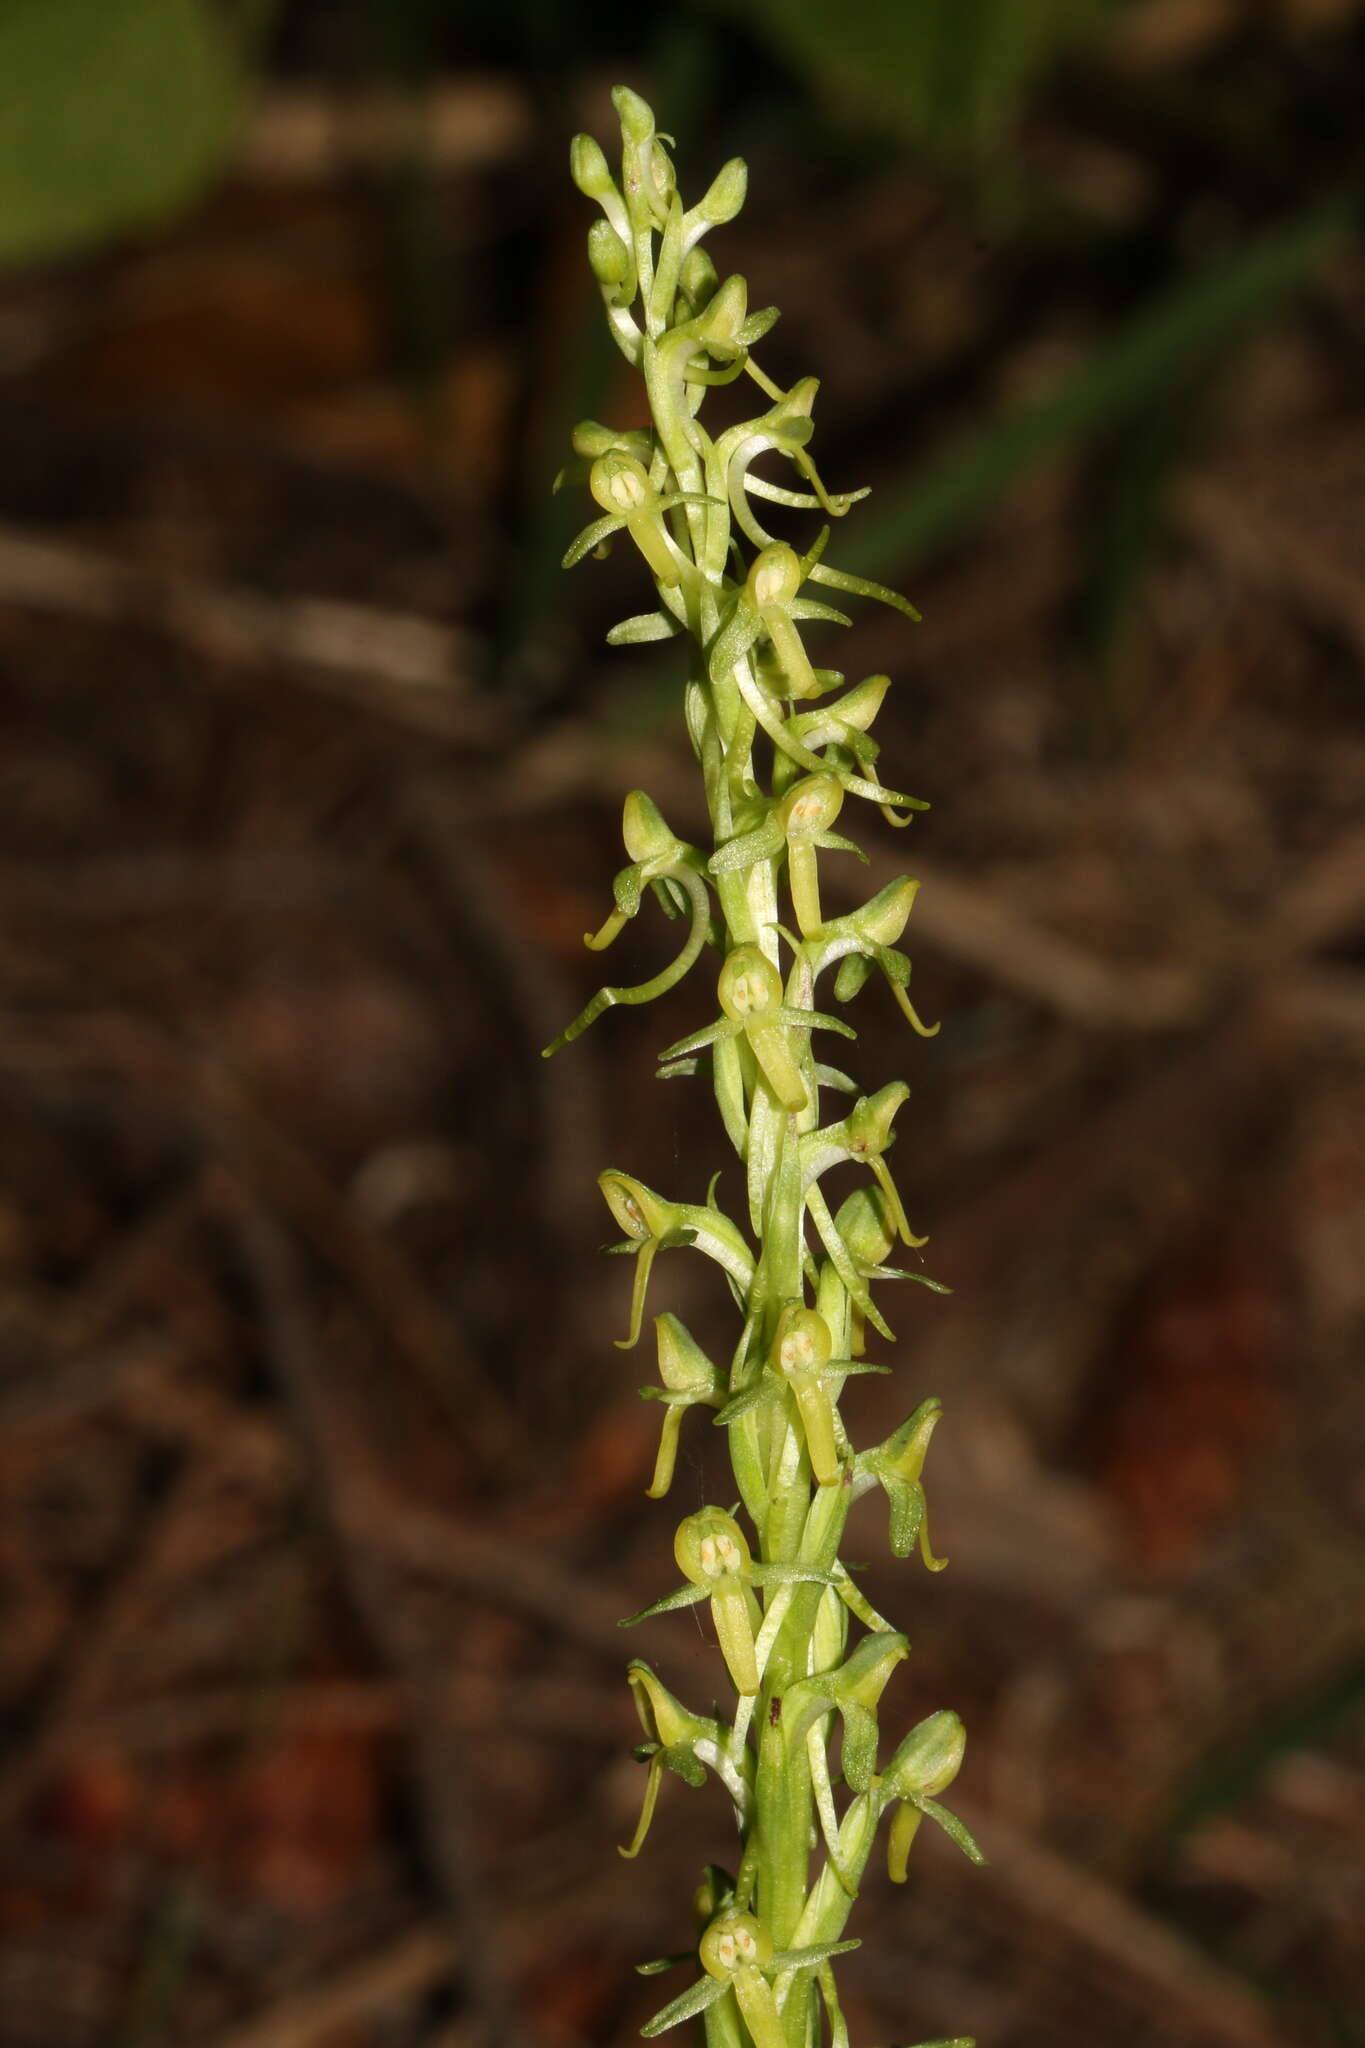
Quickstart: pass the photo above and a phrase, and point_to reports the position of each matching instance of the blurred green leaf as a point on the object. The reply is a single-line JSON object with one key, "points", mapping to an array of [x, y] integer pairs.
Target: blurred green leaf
{"points": [[113, 114], [947, 75], [1228, 1775], [1164, 342]]}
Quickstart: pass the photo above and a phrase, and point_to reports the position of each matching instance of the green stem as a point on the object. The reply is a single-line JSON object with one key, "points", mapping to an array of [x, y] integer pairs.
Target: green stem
{"points": [[777, 1847]]}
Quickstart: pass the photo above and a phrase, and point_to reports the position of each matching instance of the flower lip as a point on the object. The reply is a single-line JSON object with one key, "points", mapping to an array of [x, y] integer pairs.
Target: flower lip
{"points": [[644, 828]]}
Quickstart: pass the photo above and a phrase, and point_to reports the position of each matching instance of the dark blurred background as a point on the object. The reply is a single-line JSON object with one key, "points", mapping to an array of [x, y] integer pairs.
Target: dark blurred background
{"points": [[322, 1482]]}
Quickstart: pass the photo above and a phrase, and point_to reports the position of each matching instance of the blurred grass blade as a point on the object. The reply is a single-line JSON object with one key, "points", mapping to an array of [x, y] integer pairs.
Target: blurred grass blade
{"points": [[1160, 344], [113, 115], [945, 75], [1227, 1776]]}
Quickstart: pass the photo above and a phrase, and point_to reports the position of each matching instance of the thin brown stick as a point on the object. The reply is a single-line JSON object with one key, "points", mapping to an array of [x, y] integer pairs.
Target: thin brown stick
{"points": [[176, 1531], [438, 1789], [412, 671], [562, 1709], [407, 1968], [385, 1279], [1100, 1918], [486, 1564], [1263, 547]]}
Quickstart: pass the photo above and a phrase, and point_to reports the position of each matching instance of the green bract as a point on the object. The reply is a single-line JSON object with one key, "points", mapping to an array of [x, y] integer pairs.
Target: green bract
{"points": [[780, 755]]}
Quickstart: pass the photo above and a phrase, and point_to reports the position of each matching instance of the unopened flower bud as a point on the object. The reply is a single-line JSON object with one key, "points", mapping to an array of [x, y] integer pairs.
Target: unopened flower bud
{"points": [[699, 276], [724, 313], [662, 173], [724, 196], [589, 169], [929, 1758], [591, 439], [715, 1891], [635, 115], [608, 257], [644, 829]]}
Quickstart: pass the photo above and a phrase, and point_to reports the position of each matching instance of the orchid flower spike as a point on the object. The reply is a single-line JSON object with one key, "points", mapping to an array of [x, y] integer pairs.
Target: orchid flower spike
{"points": [[782, 743]]}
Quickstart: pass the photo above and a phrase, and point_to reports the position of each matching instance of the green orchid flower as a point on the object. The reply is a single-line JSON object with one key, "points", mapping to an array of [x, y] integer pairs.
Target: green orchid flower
{"points": [[795, 826], [684, 1743], [621, 485], [898, 1466], [750, 994], [864, 938], [739, 1959], [925, 1764], [690, 1380], [652, 1225], [675, 872], [714, 1557]]}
